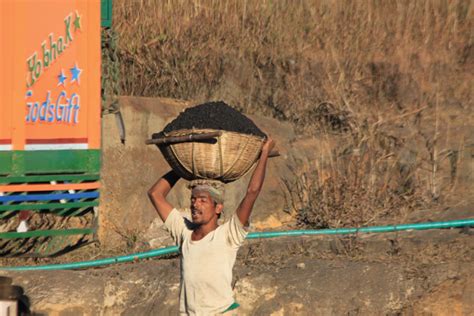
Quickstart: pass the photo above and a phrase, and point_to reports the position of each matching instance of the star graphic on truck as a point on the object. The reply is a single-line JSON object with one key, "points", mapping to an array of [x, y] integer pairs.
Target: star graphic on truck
{"points": [[77, 22], [62, 78], [75, 73]]}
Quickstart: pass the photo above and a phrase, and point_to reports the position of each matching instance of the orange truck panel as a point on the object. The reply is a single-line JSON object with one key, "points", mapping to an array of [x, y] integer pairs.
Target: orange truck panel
{"points": [[50, 74]]}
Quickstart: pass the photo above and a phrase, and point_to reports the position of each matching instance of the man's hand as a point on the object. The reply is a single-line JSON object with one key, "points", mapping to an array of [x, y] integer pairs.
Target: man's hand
{"points": [[255, 185], [159, 191], [268, 146]]}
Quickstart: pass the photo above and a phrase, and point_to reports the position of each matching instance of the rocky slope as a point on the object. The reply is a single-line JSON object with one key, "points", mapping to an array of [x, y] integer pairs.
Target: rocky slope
{"points": [[414, 273]]}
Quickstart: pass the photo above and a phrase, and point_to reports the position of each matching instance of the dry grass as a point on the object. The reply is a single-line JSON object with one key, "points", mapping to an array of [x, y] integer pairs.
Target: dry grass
{"points": [[376, 79], [359, 179], [282, 55]]}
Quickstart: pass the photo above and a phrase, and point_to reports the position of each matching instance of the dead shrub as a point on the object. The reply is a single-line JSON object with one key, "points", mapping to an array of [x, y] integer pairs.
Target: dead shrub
{"points": [[361, 183]]}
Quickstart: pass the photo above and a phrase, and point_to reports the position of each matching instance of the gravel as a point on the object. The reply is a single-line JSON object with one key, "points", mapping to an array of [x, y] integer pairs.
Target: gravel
{"points": [[213, 115]]}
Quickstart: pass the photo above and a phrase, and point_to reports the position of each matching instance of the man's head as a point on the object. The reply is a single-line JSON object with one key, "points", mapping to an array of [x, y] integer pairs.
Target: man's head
{"points": [[207, 203]]}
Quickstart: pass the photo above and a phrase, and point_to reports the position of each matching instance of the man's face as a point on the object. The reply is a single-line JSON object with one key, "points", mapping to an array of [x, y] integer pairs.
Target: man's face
{"points": [[203, 207]]}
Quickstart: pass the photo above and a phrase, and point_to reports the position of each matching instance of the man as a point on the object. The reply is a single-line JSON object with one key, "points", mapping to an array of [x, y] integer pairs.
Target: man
{"points": [[208, 251]]}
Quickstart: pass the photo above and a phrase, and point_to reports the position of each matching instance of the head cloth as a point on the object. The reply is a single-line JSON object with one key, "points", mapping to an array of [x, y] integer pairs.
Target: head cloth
{"points": [[214, 188]]}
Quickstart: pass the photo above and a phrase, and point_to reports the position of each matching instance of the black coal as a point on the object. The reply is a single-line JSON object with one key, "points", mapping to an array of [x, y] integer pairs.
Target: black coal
{"points": [[213, 115]]}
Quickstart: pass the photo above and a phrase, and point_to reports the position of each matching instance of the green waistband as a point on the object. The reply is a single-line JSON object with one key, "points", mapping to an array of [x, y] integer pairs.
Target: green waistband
{"points": [[231, 307]]}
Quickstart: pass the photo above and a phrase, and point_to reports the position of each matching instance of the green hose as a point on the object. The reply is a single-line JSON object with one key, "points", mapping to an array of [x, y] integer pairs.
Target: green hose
{"points": [[255, 235], [373, 229], [99, 262]]}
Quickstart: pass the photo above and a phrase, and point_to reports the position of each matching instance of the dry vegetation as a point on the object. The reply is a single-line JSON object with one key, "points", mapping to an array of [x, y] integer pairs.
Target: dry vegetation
{"points": [[380, 81]]}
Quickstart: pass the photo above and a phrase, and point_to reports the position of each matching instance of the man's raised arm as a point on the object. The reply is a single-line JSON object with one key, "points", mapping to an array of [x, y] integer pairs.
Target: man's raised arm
{"points": [[255, 185], [159, 191]]}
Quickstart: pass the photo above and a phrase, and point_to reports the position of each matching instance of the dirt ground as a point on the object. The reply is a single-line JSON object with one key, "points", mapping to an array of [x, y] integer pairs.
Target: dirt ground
{"points": [[411, 273]]}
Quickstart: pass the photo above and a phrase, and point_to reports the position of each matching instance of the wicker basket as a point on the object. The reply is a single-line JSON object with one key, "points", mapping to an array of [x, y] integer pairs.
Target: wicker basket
{"points": [[226, 160]]}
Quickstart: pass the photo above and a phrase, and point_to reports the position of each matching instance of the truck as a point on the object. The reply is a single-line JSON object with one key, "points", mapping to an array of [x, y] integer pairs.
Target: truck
{"points": [[50, 124]]}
